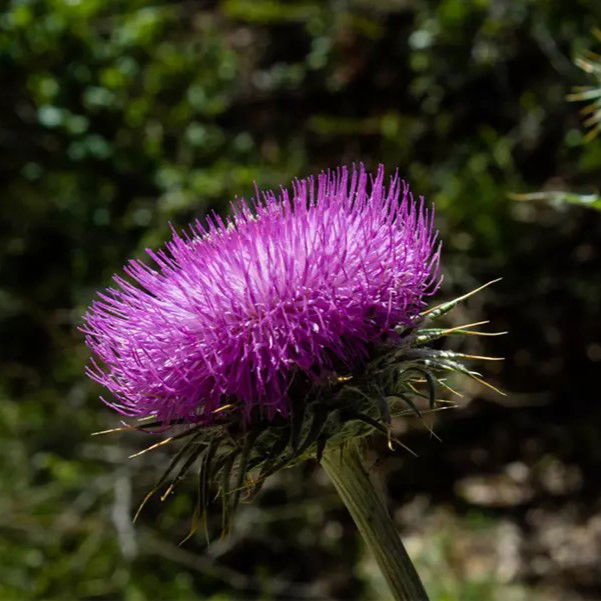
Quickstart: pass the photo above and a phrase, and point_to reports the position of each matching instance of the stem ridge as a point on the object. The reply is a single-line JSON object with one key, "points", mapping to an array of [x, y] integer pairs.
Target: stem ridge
{"points": [[348, 475]]}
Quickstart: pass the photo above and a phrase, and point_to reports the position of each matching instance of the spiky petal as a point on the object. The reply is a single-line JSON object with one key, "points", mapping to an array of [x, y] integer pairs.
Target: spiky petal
{"points": [[232, 311]]}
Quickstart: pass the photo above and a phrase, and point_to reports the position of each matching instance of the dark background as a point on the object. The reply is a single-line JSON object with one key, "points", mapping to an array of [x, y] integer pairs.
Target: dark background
{"points": [[118, 117]]}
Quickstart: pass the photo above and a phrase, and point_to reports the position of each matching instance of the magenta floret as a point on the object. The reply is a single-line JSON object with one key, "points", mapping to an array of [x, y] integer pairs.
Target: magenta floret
{"points": [[233, 310]]}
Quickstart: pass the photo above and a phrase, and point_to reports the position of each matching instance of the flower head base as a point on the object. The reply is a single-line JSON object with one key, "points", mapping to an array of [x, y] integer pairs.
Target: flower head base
{"points": [[290, 292], [399, 379]]}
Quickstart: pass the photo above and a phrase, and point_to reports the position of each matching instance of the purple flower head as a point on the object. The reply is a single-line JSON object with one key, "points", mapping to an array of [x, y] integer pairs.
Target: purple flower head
{"points": [[292, 286]]}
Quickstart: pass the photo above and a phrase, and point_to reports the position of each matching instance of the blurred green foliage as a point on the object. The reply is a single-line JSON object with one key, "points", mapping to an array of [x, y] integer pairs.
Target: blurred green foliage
{"points": [[119, 116]]}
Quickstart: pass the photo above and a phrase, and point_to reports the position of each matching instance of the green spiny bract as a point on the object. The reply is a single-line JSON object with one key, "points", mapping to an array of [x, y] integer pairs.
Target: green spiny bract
{"points": [[232, 459]]}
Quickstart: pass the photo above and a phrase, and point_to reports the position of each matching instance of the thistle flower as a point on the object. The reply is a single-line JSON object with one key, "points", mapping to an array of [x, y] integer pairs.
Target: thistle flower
{"points": [[294, 325], [290, 291]]}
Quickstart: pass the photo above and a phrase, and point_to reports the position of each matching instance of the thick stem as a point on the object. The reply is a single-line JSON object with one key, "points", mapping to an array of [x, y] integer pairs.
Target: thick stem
{"points": [[345, 469]]}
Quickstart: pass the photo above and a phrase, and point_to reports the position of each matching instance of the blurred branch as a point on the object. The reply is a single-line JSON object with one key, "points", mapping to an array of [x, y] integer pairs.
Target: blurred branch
{"points": [[207, 565], [559, 198], [122, 515]]}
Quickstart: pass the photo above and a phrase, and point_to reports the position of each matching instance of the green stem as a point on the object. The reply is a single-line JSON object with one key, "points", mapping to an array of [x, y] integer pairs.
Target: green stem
{"points": [[345, 469]]}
